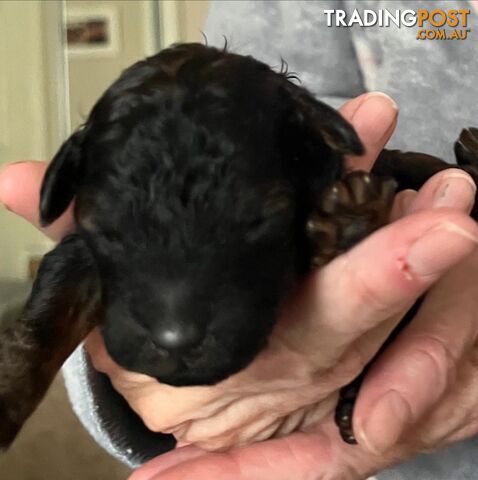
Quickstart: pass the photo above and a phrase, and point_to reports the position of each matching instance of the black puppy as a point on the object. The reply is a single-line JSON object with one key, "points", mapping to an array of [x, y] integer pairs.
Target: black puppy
{"points": [[206, 185]]}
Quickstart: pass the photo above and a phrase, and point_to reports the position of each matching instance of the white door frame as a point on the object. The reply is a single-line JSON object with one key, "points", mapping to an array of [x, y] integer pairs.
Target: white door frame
{"points": [[169, 26]]}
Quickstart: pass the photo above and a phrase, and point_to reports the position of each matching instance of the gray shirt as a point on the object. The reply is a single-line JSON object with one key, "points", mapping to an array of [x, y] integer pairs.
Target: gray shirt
{"points": [[434, 83]]}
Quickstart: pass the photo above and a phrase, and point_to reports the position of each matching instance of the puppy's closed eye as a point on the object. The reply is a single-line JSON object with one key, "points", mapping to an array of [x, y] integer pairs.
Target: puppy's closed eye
{"points": [[276, 212], [279, 200]]}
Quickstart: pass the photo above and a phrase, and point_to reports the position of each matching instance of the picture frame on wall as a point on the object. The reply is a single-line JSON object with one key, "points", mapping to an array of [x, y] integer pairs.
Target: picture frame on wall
{"points": [[92, 32]]}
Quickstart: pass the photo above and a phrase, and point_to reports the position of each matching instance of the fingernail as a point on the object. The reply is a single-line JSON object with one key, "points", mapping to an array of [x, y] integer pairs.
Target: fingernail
{"points": [[384, 426], [457, 190], [392, 102], [439, 248], [384, 114]]}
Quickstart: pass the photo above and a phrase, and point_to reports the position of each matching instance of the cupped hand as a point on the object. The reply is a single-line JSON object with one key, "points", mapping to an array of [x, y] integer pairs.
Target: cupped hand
{"points": [[263, 400], [329, 330], [420, 396]]}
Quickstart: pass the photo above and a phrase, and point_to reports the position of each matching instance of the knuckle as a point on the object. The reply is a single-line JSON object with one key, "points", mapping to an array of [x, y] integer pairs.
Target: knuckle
{"points": [[346, 370], [100, 362], [214, 446], [365, 293], [192, 435], [158, 424], [217, 443], [352, 363], [151, 422], [432, 352]]}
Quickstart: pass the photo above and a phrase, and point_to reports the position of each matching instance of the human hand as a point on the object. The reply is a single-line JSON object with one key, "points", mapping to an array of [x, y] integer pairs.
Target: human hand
{"points": [[421, 366], [397, 300], [262, 400], [433, 365]]}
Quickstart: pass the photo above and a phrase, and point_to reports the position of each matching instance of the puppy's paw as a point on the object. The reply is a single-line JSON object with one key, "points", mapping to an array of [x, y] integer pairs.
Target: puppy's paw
{"points": [[348, 211], [466, 153], [8, 430], [466, 148], [345, 408]]}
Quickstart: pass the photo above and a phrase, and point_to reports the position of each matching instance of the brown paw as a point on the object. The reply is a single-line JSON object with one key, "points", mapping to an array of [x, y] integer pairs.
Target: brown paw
{"points": [[349, 211], [345, 409], [8, 430], [466, 152], [466, 148], [343, 420]]}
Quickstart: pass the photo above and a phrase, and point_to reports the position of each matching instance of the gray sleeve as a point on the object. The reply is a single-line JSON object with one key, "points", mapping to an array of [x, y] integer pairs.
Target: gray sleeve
{"points": [[457, 462], [432, 81], [107, 416]]}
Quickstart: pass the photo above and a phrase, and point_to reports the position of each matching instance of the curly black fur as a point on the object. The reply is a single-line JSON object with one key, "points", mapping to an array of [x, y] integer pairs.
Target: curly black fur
{"points": [[193, 177]]}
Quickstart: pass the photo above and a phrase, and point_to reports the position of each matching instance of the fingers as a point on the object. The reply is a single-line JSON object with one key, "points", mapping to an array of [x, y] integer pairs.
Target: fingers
{"points": [[162, 408], [319, 454], [416, 371], [451, 188], [102, 362], [167, 461], [378, 279], [374, 117], [20, 193], [282, 459]]}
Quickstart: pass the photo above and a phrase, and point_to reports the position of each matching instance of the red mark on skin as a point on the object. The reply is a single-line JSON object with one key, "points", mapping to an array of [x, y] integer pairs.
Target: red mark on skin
{"points": [[405, 268]]}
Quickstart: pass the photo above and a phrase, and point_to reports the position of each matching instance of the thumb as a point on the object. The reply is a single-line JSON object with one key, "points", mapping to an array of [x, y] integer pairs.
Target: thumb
{"points": [[319, 454], [374, 282], [20, 193], [425, 360]]}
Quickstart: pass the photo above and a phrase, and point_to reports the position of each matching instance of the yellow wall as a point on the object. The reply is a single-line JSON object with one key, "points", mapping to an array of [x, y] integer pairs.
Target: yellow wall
{"points": [[90, 76], [192, 15], [25, 113]]}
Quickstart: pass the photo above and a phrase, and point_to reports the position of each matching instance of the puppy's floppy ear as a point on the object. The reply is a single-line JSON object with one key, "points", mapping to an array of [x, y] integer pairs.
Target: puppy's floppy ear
{"points": [[323, 121], [61, 179]]}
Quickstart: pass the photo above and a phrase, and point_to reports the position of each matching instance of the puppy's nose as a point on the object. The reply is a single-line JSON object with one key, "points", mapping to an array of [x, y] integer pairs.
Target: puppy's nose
{"points": [[176, 336]]}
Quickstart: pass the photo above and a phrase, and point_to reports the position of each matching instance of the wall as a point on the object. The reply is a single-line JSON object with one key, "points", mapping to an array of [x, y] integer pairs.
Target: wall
{"points": [[26, 124], [90, 76], [192, 15]]}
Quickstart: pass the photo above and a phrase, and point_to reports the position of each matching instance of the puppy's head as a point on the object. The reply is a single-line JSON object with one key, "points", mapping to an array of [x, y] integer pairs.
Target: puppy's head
{"points": [[193, 179]]}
